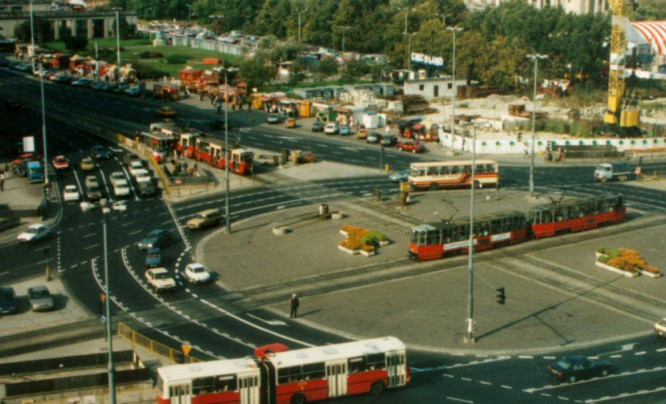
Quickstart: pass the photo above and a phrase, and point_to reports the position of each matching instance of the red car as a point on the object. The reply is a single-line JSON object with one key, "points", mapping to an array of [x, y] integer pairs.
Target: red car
{"points": [[60, 163], [29, 156], [411, 146]]}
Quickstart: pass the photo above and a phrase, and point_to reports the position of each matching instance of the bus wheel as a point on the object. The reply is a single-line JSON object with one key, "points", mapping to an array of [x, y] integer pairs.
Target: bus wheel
{"points": [[377, 388], [604, 179], [434, 186], [297, 399]]}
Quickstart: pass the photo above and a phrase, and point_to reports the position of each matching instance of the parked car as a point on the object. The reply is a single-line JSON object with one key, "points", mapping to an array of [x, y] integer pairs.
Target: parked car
{"points": [[60, 162], [197, 273], [101, 153], [71, 193], [400, 176], [40, 298], [134, 166], [154, 257], [160, 279], [82, 83], [389, 140], [33, 233], [331, 128], [206, 218], [135, 91], [156, 238], [273, 118], [142, 175], [573, 368], [87, 164], [411, 147], [373, 137], [8, 302], [317, 126], [344, 130]]}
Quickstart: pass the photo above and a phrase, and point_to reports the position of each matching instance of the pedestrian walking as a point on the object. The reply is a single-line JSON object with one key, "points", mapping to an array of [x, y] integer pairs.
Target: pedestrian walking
{"points": [[2, 181], [294, 306]]}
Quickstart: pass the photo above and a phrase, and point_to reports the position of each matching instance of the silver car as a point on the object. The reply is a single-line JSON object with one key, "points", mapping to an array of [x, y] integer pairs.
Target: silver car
{"points": [[40, 298]]}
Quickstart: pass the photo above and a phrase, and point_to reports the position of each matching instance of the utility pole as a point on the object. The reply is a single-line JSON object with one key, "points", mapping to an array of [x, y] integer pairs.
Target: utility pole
{"points": [[535, 58], [226, 147], [111, 369], [470, 254], [344, 29]]}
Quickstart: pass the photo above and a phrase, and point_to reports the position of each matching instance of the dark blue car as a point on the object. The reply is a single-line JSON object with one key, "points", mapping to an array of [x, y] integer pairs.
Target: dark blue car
{"points": [[101, 153], [8, 303], [574, 368]]}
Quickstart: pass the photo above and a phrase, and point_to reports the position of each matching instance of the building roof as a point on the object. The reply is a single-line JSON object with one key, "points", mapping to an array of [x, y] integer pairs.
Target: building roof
{"points": [[653, 32]]}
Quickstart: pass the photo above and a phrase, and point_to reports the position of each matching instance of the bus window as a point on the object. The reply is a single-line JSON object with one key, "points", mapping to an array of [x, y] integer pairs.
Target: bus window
{"points": [[455, 169], [356, 364], [432, 237], [314, 371], [418, 172], [203, 385], [226, 383], [376, 361]]}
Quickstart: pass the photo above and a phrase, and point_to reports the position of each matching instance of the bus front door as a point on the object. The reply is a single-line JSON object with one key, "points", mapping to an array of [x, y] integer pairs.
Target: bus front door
{"points": [[180, 394], [396, 369], [336, 376]]}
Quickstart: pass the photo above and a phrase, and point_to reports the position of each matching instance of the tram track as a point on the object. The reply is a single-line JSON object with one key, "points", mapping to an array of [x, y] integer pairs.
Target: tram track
{"points": [[553, 274]]}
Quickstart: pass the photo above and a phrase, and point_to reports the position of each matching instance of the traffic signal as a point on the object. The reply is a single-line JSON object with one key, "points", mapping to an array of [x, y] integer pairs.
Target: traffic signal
{"points": [[500, 295]]}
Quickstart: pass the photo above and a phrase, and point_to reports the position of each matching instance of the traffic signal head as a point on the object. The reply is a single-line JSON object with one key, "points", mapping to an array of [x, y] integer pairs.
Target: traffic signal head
{"points": [[500, 295]]}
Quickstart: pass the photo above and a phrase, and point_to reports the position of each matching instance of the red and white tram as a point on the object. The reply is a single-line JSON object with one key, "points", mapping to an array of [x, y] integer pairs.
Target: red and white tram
{"points": [[577, 215], [447, 238], [211, 151], [289, 377], [435, 175]]}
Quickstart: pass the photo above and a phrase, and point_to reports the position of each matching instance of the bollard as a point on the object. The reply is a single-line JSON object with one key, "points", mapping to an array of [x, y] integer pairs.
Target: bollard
{"points": [[387, 168]]}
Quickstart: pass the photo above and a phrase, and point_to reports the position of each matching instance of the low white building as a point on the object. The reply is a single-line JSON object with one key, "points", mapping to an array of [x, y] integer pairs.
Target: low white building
{"points": [[432, 88]]}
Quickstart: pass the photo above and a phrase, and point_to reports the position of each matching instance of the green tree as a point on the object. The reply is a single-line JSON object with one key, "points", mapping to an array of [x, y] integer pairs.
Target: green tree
{"points": [[354, 70], [256, 72], [43, 30], [74, 43], [327, 67]]}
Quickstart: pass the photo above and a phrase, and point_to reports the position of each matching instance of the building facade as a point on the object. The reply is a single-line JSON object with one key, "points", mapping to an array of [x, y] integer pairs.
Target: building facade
{"points": [[89, 23], [579, 7]]}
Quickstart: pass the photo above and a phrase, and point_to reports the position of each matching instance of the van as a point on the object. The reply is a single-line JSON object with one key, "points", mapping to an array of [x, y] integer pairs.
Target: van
{"points": [[35, 172]]}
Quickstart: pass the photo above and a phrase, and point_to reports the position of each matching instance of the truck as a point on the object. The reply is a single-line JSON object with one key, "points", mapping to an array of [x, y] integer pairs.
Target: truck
{"points": [[35, 171], [613, 171]]}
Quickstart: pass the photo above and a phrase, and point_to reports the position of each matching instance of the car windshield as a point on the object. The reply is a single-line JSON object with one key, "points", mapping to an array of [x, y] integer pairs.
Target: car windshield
{"points": [[40, 293], [162, 275], [6, 295], [32, 230]]}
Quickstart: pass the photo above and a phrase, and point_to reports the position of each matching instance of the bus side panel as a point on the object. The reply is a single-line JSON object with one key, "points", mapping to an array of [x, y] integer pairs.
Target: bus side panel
{"points": [[313, 390], [232, 397], [360, 383]]}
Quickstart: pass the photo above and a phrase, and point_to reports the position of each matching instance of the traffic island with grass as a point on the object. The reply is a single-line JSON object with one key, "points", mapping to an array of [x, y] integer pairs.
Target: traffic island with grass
{"points": [[360, 240], [625, 262]]}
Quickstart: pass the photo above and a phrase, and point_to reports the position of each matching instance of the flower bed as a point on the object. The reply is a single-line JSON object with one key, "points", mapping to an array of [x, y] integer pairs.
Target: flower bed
{"points": [[358, 239], [625, 260]]}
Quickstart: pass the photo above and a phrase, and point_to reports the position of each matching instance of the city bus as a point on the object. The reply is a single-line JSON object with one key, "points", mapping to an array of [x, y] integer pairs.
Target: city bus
{"points": [[451, 237], [452, 174], [282, 376], [576, 215]]}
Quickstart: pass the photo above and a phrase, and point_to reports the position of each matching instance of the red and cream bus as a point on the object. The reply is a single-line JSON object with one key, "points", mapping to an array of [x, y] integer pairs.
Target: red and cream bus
{"points": [[161, 144], [452, 174], [288, 377], [576, 215], [447, 238]]}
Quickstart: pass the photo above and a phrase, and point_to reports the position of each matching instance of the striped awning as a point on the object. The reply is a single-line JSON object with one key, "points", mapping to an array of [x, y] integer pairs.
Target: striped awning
{"points": [[654, 32]]}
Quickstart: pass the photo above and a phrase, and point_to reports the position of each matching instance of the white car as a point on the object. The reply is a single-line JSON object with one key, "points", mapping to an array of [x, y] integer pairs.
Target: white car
{"points": [[34, 233], [121, 188], [160, 279], [71, 193], [331, 128], [197, 273], [117, 176], [142, 175], [135, 165]]}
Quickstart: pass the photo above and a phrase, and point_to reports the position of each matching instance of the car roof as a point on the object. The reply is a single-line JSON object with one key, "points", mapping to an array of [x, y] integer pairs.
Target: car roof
{"points": [[158, 270]]}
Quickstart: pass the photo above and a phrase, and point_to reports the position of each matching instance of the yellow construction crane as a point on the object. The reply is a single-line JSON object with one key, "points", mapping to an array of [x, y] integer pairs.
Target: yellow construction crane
{"points": [[622, 102]]}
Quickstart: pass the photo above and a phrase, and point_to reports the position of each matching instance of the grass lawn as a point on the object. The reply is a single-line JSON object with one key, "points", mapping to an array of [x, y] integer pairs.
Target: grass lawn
{"points": [[131, 49]]}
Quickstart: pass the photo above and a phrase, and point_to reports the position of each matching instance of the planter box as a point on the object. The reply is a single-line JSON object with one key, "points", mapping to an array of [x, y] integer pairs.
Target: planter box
{"points": [[650, 274], [368, 253], [344, 232], [280, 230], [347, 250], [337, 215], [619, 271], [384, 243], [598, 254]]}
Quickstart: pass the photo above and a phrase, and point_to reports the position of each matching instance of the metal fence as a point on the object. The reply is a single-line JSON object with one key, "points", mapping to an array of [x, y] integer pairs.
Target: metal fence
{"points": [[174, 355]]}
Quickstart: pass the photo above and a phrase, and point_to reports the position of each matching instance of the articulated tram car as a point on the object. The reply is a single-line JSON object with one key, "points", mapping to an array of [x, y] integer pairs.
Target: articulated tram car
{"points": [[279, 376], [447, 238]]}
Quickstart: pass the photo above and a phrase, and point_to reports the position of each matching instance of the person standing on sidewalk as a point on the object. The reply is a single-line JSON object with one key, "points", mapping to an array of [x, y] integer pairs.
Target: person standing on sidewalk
{"points": [[294, 306], [2, 181]]}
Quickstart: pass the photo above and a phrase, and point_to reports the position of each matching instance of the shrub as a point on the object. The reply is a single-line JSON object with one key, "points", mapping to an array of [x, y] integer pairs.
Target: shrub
{"points": [[150, 54], [176, 59]]}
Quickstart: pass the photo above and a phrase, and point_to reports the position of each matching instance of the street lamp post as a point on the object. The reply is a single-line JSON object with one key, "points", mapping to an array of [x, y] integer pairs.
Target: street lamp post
{"points": [[344, 29], [299, 27], [111, 370], [118, 40], [41, 75], [535, 58], [453, 82], [409, 50], [470, 255], [226, 148]]}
